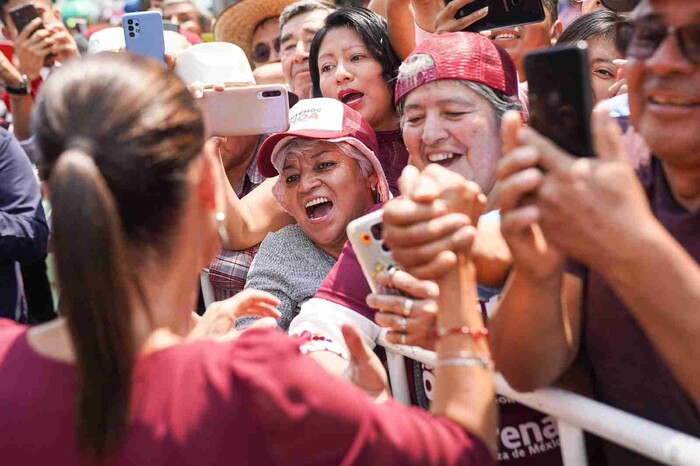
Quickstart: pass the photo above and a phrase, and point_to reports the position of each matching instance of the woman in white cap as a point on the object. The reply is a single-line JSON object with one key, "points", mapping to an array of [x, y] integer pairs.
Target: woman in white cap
{"points": [[329, 175]]}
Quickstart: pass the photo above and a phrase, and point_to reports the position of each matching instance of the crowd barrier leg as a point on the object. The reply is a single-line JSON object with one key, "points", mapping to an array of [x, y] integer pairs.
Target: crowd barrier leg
{"points": [[573, 445]]}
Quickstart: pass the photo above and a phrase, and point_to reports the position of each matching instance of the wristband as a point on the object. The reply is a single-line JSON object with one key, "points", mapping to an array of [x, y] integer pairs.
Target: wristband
{"points": [[475, 333], [471, 360]]}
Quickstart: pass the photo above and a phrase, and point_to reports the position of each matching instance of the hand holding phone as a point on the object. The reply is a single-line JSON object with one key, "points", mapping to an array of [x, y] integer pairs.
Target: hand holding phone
{"points": [[23, 15], [501, 13], [561, 97], [366, 236], [143, 34], [245, 111]]}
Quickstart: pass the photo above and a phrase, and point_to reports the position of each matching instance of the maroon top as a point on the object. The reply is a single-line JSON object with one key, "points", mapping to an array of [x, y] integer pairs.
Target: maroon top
{"points": [[256, 400], [393, 156], [628, 372]]}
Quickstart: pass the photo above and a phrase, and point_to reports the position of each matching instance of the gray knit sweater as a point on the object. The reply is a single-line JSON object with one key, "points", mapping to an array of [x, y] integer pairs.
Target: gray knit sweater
{"points": [[290, 266]]}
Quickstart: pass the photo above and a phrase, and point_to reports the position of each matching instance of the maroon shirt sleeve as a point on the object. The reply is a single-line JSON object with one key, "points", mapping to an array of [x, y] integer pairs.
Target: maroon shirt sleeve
{"points": [[306, 416]]}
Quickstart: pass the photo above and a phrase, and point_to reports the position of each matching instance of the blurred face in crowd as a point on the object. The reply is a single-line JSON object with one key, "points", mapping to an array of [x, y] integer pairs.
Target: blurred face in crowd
{"points": [[236, 151], [601, 53], [266, 42], [664, 89], [589, 6], [46, 12], [295, 41], [185, 14], [324, 190], [349, 73], [43, 7], [521, 40], [447, 123]]}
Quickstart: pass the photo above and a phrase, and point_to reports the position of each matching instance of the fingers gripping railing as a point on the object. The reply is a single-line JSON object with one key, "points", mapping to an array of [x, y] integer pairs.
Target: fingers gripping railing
{"points": [[574, 414]]}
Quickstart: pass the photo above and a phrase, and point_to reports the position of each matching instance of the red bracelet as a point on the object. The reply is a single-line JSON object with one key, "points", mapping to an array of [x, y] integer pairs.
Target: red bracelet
{"points": [[475, 333]]}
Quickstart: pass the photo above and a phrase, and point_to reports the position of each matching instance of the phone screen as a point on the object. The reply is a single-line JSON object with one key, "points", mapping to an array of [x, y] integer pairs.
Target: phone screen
{"points": [[561, 99], [503, 13]]}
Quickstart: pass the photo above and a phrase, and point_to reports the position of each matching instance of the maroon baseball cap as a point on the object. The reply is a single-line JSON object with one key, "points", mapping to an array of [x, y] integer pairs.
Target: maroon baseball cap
{"points": [[463, 56]]}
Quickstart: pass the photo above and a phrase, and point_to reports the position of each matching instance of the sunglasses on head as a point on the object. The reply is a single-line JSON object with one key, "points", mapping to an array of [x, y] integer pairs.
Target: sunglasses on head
{"points": [[261, 52], [641, 38]]}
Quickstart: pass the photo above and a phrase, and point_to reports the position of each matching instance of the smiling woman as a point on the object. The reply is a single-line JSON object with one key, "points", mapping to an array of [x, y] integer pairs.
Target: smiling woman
{"points": [[352, 61], [328, 176]]}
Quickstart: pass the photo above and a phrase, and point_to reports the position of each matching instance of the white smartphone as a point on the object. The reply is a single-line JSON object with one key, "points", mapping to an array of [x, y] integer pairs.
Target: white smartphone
{"points": [[246, 111], [366, 236]]}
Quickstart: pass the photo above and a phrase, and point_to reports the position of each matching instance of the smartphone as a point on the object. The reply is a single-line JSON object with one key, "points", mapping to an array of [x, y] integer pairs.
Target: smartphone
{"points": [[561, 96], [143, 34], [8, 49], [502, 13], [23, 15], [366, 236], [246, 111]]}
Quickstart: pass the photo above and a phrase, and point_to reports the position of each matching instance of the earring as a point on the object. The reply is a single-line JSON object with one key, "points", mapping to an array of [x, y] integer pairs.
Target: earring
{"points": [[221, 227]]}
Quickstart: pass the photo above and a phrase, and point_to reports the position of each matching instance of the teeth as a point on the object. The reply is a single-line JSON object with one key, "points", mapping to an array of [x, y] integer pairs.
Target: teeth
{"points": [[317, 201], [440, 157], [671, 101], [506, 36]]}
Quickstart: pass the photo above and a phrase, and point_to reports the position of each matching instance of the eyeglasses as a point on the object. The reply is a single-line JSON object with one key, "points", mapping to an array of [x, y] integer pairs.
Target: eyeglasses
{"points": [[640, 39], [262, 51]]}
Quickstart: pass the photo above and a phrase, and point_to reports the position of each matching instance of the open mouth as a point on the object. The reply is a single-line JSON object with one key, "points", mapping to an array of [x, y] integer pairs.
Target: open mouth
{"points": [[443, 158], [318, 208], [350, 97], [505, 35]]}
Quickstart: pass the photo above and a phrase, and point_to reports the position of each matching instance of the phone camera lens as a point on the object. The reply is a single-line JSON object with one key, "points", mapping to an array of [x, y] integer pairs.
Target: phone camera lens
{"points": [[131, 21], [131, 34], [131, 28]]}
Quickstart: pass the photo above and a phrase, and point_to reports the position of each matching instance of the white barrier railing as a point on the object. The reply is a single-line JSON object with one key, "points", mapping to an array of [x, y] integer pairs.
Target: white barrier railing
{"points": [[574, 414]]}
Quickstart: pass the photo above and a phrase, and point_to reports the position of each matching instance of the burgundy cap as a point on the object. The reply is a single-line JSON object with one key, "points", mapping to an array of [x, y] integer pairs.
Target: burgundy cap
{"points": [[465, 56]]}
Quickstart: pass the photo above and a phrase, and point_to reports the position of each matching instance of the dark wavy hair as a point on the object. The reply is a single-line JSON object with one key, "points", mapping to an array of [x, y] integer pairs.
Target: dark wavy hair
{"points": [[600, 23], [372, 28]]}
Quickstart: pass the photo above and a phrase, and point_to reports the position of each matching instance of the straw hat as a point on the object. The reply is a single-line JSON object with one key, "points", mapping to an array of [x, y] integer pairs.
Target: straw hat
{"points": [[237, 23]]}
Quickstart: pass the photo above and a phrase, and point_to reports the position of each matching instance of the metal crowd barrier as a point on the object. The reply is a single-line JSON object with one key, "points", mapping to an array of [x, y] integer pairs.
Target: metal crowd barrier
{"points": [[574, 414]]}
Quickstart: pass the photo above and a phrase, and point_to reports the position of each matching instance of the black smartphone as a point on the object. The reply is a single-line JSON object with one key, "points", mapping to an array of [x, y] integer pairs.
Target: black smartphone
{"points": [[561, 96], [503, 13], [23, 15]]}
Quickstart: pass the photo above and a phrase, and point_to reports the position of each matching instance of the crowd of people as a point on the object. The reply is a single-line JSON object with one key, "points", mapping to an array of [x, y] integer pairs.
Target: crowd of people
{"points": [[170, 295]]}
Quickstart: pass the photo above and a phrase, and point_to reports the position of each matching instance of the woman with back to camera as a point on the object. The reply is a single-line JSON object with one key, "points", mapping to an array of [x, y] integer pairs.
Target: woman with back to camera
{"points": [[135, 192]]}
